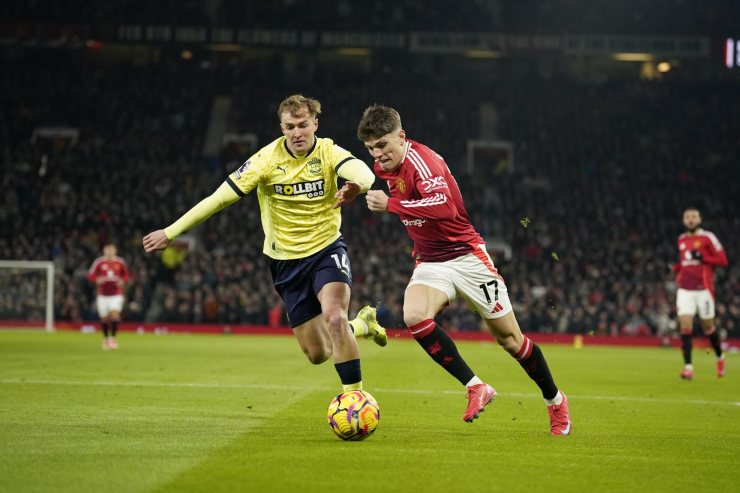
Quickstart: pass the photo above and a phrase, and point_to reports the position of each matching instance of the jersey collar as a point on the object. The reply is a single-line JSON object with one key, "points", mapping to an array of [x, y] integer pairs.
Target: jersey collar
{"points": [[315, 142], [407, 147]]}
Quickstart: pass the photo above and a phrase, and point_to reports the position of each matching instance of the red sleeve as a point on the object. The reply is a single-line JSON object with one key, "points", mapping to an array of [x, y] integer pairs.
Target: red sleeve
{"points": [[92, 274], [715, 258], [713, 254], [435, 206], [436, 201]]}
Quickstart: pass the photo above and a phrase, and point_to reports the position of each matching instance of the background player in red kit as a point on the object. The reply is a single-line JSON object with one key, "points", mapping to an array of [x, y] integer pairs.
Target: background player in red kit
{"points": [[451, 260], [110, 274], [699, 252]]}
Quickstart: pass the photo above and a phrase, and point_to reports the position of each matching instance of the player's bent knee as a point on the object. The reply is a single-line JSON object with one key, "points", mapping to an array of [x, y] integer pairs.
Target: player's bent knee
{"points": [[336, 321], [506, 332], [508, 342], [317, 356], [413, 317]]}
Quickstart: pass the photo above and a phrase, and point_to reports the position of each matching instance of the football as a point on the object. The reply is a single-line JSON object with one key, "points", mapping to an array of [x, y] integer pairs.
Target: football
{"points": [[353, 415]]}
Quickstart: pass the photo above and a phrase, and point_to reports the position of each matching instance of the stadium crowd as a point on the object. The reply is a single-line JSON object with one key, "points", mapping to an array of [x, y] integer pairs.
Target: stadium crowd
{"points": [[591, 206]]}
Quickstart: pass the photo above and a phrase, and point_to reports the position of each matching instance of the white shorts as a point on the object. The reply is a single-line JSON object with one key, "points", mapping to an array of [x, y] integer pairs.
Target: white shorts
{"points": [[107, 304], [471, 276], [692, 302]]}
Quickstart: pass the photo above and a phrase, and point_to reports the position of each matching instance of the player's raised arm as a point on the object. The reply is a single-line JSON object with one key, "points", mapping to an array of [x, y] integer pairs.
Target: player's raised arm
{"points": [[224, 196], [359, 180]]}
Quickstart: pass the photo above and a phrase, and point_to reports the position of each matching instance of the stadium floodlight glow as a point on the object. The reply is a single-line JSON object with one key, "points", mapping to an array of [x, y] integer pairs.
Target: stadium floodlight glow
{"points": [[482, 54], [664, 67], [730, 52], [353, 52], [225, 47], [633, 57]]}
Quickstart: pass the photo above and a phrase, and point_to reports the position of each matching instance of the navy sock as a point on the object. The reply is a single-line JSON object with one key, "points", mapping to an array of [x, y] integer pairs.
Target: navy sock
{"points": [[349, 371]]}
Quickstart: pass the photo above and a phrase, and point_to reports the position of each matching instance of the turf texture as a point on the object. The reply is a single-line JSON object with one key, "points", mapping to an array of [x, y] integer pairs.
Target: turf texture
{"points": [[182, 413]]}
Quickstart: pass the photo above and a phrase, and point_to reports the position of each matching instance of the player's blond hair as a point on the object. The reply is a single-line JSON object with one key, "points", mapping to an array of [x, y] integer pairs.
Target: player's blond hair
{"points": [[377, 121], [297, 104]]}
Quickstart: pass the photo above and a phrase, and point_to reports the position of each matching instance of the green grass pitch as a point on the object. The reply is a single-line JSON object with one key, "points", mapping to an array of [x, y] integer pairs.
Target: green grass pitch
{"points": [[184, 413]]}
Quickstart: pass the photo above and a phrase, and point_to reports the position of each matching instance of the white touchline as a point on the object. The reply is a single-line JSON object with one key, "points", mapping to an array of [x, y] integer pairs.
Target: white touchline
{"points": [[571, 397]]}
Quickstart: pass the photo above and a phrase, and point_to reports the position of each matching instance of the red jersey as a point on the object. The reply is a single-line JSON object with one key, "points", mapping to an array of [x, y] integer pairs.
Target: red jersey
{"points": [[696, 274], [426, 197], [113, 270]]}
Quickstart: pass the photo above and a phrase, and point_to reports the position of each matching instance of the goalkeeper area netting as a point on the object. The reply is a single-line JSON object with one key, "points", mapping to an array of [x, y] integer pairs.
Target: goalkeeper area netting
{"points": [[26, 294]]}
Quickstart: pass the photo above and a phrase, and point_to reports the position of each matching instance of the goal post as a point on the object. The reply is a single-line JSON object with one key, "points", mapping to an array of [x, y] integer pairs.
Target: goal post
{"points": [[24, 299]]}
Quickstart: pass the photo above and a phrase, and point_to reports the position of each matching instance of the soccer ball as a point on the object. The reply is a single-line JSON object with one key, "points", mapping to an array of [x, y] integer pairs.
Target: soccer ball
{"points": [[353, 415]]}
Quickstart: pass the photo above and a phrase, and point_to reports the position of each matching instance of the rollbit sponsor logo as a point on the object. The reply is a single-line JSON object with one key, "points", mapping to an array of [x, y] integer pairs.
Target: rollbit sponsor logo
{"points": [[311, 189]]}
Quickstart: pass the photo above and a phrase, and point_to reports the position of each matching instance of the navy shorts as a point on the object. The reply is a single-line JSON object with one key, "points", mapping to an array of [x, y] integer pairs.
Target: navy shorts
{"points": [[297, 281]]}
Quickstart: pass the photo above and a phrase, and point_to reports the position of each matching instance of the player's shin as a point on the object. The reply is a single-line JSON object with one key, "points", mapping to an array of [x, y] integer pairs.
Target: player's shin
{"points": [[713, 335], [530, 357], [686, 344], [441, 348]]}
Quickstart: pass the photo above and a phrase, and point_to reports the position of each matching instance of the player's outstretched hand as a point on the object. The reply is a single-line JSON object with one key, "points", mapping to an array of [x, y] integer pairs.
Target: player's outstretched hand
{"points": [[156, 240], [696, 255], [347, 194], [377, 200]]}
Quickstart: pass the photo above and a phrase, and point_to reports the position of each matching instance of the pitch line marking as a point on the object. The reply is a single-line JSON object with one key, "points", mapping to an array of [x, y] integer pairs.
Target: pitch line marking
{"points": [[109, 383]]}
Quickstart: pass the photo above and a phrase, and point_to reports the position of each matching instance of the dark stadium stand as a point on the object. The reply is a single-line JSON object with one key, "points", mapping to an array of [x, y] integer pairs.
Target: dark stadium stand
{"points": [[603, 168], [674, 17]]}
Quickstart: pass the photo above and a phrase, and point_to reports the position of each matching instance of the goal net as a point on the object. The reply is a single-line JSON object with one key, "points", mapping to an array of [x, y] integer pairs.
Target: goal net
{"points": [[26, 294]]}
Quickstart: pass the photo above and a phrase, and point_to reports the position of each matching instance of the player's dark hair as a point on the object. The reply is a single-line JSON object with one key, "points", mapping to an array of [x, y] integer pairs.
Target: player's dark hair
{"points": [[692, 208], [296, 103], [377, 121]]}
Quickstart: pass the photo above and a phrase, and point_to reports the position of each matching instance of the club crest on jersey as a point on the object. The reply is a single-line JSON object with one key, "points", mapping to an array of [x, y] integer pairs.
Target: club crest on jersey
{"points": [[401, 185], [309, 188], [244, 167], [697, 244], [434, 183], [314, 166]]}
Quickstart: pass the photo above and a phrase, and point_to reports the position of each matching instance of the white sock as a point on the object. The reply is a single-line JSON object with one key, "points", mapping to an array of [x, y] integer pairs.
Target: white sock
{"points": [[474, 381], [555, 401], [688, 367]]}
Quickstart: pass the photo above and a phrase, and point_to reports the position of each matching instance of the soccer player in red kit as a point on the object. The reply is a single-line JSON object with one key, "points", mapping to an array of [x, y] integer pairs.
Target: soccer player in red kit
{"points": [[451, 260], [699, 253], [109, 273]]}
